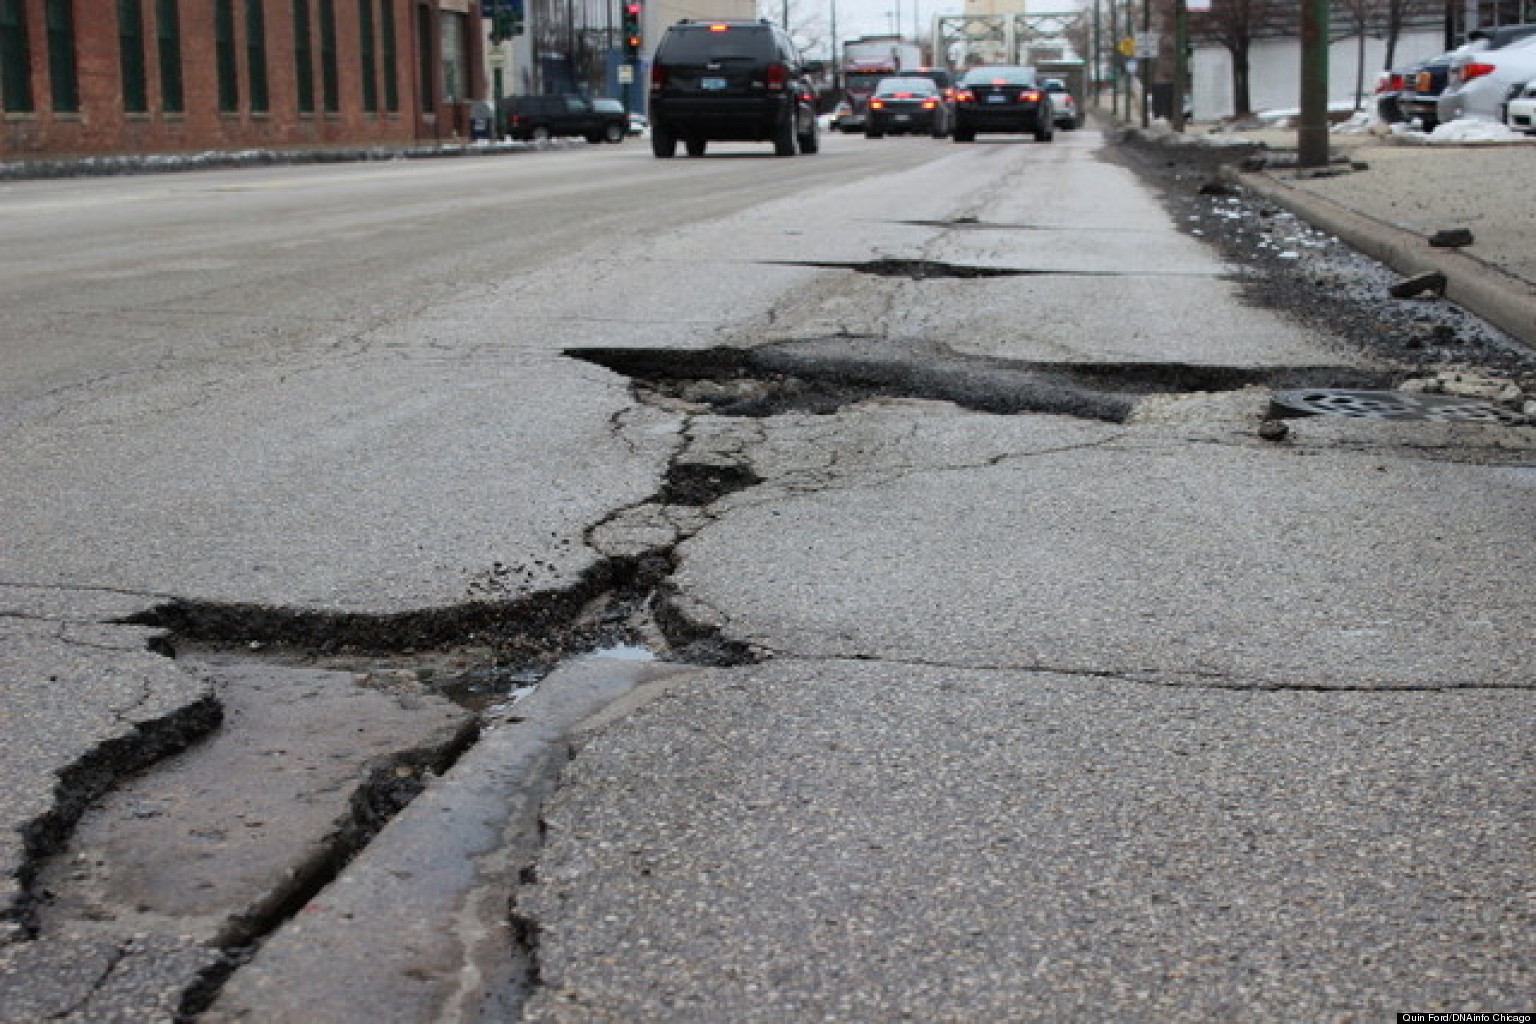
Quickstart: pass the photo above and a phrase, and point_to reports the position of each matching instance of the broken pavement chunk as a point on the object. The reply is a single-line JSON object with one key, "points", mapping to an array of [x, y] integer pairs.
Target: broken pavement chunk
{"points": [[1433, 281], [1451, 238]]}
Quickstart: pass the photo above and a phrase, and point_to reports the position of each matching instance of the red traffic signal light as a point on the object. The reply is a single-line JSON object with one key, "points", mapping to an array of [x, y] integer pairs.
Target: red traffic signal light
{"points": [[631, 28]]}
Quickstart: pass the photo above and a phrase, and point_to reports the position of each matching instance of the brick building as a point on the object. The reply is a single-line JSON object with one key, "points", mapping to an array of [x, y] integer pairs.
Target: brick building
{"points": [[101, 77]]}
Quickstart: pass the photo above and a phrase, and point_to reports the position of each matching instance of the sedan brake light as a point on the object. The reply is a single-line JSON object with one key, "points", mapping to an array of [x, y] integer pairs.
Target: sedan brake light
{"points": [[964, 96], [1029, 96], [877, 104], [929, 104], [1476, 70]]}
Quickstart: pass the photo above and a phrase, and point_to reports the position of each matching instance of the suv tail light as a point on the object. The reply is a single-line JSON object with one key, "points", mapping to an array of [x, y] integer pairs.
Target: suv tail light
{"points": [[776, 75], [658, 76]]}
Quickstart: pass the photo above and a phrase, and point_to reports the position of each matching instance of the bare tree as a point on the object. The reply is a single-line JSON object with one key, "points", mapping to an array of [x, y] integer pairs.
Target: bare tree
{"points": [[1234, 25]]}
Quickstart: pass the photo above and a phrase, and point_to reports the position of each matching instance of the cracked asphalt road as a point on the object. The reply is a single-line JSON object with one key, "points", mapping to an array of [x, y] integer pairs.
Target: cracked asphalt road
{"points": [[1056, 716]]}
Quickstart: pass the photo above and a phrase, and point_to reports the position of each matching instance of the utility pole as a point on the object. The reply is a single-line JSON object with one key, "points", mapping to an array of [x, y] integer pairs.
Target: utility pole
{"points": [[1180, 62], [1312, 136], [1144, 61]]}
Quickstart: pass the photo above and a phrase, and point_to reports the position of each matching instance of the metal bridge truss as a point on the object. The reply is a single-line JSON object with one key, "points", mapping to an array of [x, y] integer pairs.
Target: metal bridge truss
{"points": [[999, 38]]}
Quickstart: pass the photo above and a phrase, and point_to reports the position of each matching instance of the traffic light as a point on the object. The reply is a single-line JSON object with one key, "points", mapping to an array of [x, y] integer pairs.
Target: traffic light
{"points": [[630, 25]]}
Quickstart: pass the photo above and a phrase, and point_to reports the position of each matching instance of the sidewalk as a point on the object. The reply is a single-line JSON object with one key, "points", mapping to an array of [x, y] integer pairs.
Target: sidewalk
{"points": [[1399, 191]]}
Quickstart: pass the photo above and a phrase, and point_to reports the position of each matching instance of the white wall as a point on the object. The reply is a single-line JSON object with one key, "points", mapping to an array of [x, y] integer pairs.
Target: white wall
{"points": [[1275, 72]]}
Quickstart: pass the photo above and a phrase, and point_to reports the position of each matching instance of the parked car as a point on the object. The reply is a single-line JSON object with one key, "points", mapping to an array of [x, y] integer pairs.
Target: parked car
{"points": [[1419, 98], [1479, 81], [1390, 88], [1002, 98], [906, 105], [1422, 85], [544, 117], [730, 81], [1063, 105], [1521, 113]]}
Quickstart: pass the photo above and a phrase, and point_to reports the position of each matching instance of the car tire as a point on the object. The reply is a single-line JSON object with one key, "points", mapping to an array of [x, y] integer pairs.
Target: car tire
{"points": [[871, 133], [540, 134], [1046, 134], [696, 146], [663, 142], [614, 133], [784, 136], [810, 142], [964, 134]]}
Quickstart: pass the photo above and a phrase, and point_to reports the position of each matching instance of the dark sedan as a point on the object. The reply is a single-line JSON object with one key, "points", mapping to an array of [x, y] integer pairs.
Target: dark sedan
{"points": [[1003, 99], [907, 105]]}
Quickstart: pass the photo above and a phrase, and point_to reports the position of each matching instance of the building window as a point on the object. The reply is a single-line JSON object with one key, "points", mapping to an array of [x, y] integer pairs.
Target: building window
{"points": [[256, 54], [391, 55], [15, 58], [62, 81], [303, 56], [453, 57], [130, 49], [224, 55], [168, 40], [330, 74], [424, 74], [367, 57]]}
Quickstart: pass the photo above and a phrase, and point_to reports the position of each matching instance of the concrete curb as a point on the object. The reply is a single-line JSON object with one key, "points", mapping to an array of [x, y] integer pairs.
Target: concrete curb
{"points": [[1497, 296]]}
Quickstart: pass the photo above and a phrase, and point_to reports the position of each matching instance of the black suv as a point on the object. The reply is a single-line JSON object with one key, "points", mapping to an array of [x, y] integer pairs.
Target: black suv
{"points": [[540, 117], [738, 81]]}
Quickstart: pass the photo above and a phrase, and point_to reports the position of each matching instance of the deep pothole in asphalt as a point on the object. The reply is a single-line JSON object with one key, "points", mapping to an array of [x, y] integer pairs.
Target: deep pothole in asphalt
{"points": [[824, 375], [344, 716]]}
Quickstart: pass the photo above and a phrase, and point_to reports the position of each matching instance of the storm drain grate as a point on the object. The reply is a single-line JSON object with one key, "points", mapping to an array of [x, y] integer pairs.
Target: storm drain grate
{"points": [[1391, 405]]}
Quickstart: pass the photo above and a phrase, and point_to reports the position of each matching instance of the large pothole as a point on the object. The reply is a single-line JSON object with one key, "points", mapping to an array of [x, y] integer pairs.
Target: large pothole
{"points": [[823, 375]]}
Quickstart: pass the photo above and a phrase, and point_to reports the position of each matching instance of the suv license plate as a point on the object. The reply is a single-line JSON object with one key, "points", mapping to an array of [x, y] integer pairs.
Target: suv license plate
{"points": [[712, 84]]}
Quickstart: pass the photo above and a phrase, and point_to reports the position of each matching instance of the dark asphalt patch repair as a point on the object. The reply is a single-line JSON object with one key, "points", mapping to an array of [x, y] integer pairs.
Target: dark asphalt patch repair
{"points": [[823, 375]]}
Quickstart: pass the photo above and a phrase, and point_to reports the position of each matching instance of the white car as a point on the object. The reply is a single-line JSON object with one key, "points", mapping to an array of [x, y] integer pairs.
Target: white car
{"points": [[1521, 115], [1479, 82]]}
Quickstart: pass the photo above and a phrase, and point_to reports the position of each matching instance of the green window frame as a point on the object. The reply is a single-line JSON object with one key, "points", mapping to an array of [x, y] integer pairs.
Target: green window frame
{"points": [[130, 51], [168, 47], [224, 56], [256, 55], [303, 57], [63, 79], [367, 56], [391, 58], [330, 71]]}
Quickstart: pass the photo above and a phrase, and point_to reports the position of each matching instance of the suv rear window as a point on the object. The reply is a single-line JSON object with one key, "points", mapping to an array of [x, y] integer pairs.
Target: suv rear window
{"points": [[699, 44]]}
